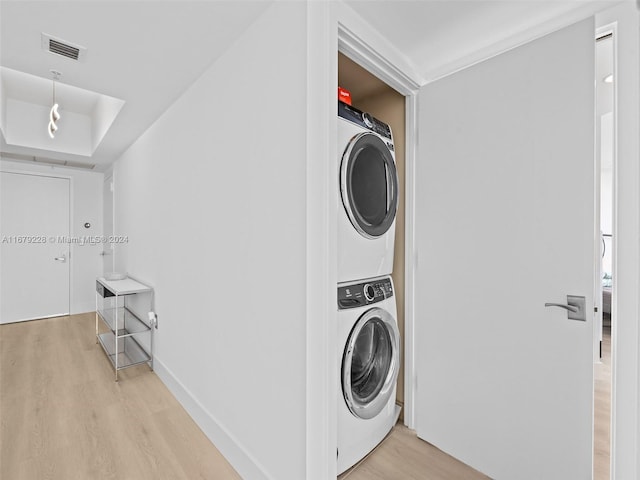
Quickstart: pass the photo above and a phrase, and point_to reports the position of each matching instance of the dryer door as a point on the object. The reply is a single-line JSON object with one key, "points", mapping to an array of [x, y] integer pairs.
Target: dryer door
{"points": [[370, 363], [369, 185]]}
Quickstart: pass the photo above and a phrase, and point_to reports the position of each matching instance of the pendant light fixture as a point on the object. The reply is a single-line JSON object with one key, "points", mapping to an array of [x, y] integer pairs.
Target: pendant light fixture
{"points": [[54, 116]]}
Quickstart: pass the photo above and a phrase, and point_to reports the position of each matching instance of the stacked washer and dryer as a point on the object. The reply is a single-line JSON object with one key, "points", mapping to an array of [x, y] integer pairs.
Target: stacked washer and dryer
{"points": [[368, 336]]}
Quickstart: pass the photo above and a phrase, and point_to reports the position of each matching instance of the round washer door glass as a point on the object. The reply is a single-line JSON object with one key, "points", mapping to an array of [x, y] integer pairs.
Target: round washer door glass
{"points": [[370, 363], [369, 185]]}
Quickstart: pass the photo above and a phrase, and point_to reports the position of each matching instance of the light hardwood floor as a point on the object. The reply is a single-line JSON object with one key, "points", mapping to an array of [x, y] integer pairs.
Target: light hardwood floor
{"points": [[403, 456], [62, 417], [602, 408]]}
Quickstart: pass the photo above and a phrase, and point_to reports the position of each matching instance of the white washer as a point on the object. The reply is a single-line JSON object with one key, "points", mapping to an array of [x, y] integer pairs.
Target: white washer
{"points": [[369, 359], [368, 195]]}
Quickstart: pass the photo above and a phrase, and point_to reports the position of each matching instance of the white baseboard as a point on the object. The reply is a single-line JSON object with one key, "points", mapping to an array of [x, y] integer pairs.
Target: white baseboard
{"points": [[246, 466]]}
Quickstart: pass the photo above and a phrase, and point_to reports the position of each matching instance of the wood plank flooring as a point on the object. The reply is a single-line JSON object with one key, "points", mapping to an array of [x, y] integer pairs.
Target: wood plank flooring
{"points": [[62, 417], [602, 409], [403, 456]]}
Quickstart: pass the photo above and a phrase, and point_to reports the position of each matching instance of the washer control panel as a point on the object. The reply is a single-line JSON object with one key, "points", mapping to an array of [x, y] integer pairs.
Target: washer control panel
{"points": [[365, 293], [365, 120]]}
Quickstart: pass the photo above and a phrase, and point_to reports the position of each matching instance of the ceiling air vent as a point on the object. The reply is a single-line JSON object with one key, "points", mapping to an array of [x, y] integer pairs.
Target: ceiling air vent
{"points": [[62, 47]]}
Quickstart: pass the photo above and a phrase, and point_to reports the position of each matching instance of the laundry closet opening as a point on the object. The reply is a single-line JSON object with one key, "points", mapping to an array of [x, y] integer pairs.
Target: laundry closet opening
{"points": [[372, 95]]}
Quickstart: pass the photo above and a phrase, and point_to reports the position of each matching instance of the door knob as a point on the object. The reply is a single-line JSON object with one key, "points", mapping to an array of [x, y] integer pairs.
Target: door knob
{"points": [[575, 307], [571, 308], [61, 259]]}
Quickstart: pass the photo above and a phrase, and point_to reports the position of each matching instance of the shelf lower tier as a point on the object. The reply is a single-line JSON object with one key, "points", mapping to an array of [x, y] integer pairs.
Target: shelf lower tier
{"points": [[130, 352], [128, 322]]}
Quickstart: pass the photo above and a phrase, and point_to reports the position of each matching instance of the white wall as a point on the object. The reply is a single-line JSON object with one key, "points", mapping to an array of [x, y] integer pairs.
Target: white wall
{"points": [[213, 200], [86, 262]]}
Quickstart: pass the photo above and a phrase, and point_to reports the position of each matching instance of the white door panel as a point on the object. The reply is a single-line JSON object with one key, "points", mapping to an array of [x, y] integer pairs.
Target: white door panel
{"points": [[34, 259], [504, 224]]}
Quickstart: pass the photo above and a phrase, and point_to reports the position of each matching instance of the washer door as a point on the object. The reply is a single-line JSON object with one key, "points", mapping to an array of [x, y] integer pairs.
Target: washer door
{"points": [[370, 363], [369, 185]]}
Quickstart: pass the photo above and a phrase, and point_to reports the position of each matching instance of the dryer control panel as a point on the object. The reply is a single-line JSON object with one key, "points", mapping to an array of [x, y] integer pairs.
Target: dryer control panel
{"points": [[365, 120], [365, 293]]}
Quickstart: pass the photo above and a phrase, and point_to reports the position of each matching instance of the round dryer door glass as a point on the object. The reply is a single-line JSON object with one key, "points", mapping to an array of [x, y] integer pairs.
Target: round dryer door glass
{"points": [[370, 363], [369, 185]]}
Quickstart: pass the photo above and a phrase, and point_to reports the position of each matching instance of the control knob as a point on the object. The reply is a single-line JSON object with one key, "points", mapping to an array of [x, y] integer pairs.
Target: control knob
{"points": [[366, 118], [369, 292]]}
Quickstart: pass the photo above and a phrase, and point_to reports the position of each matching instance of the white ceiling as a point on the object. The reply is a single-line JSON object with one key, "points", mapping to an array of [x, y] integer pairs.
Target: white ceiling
{"points": [[148, 52], [35, 89], [439, 37], [143, 52]]}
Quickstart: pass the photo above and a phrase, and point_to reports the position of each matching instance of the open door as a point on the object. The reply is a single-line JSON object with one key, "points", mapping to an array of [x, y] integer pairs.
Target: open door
{"points": [[505, 224]]}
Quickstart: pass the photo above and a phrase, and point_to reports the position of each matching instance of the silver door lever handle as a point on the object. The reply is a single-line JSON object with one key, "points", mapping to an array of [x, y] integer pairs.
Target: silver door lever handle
{"points": [[571, 308], [61, 259]]}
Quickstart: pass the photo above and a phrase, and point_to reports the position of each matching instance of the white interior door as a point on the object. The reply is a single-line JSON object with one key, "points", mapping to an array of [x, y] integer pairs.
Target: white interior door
{"points": [[504, 224], [34, 256]]}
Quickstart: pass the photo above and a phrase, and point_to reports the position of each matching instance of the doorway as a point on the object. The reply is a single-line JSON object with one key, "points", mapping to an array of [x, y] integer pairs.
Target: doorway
{"points": [[372, 95], [34, 247], [605, 94], [624, 458]]}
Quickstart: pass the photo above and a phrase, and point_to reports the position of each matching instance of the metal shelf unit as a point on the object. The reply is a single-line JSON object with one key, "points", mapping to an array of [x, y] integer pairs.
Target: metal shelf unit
{"points": [[117, 304]]}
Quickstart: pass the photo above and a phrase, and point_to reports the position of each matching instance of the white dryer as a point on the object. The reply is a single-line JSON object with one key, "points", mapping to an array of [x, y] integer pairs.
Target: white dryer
{"points": [[368, 195], [369, 359]]}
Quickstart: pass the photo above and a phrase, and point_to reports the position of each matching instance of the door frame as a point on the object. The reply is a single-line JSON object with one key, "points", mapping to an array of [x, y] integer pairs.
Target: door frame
{"points": [[358, 41], [355, 40], [19, 171], [109, 176], [604, 30], [624, 20]]}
